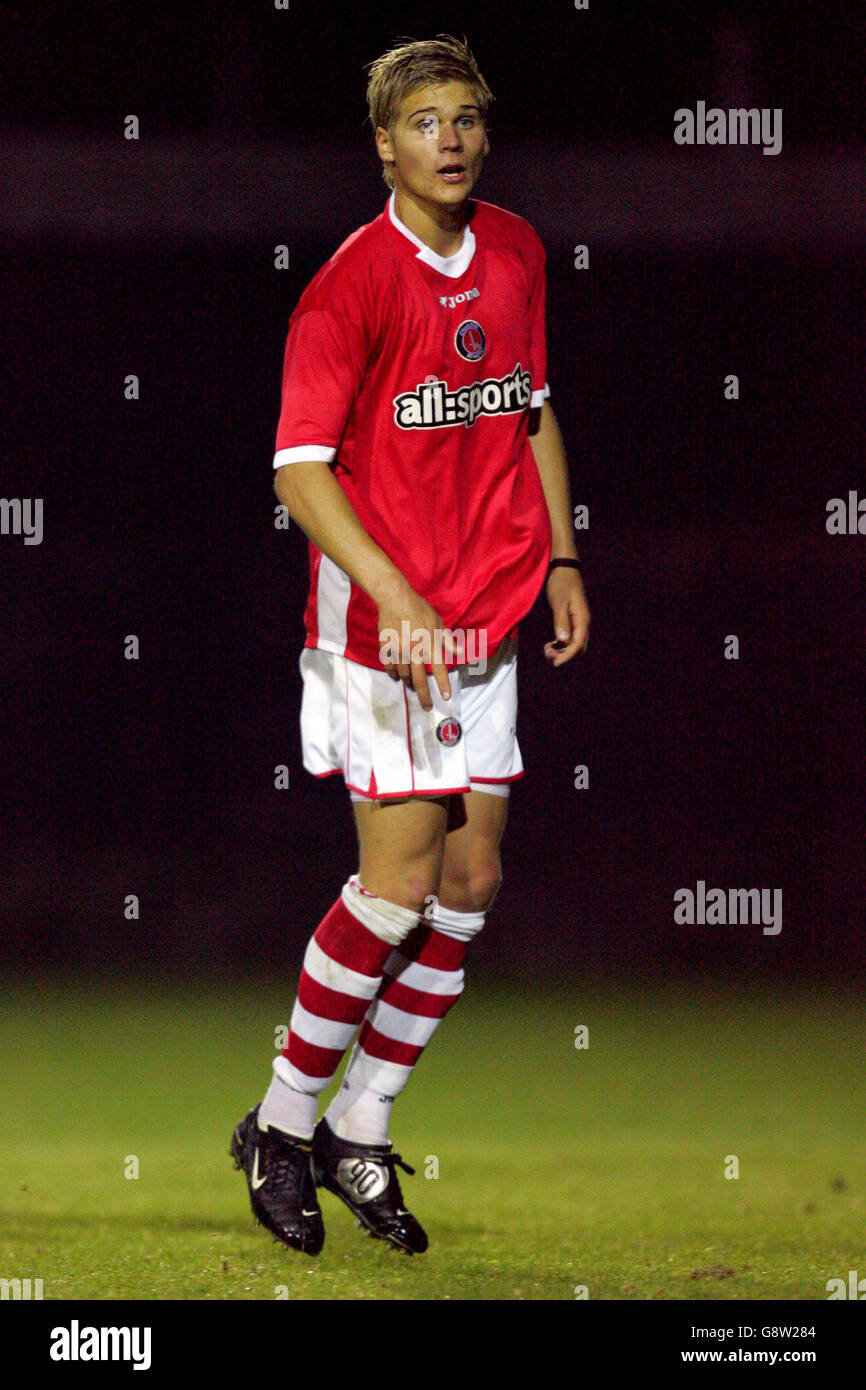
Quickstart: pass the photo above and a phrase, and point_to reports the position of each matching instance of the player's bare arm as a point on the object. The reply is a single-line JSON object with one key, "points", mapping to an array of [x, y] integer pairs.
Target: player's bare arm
{"points": [[564, 587], [314, 499]]}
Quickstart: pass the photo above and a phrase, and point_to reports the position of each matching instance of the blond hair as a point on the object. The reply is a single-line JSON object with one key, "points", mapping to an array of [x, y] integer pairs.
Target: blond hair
{"points": [[420, 63]]}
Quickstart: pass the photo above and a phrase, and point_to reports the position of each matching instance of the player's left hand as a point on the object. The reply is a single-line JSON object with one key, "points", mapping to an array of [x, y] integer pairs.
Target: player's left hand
{"points": [[570, 615]]}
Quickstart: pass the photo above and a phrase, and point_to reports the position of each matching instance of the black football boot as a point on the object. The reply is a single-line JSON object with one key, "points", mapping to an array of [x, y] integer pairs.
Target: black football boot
{"points": [[364, 1177], [279, 1174]]}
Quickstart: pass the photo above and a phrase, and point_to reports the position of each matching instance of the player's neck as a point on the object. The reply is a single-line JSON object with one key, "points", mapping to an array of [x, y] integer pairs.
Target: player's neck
{"points": [[440, 228]]}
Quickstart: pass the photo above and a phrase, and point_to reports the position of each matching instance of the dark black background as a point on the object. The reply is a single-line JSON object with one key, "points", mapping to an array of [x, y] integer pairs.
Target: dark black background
{"points": [[707, 517]]}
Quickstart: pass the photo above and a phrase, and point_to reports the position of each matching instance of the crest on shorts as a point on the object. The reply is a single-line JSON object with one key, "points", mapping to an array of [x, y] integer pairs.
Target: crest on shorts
{"points": [[470, 341], [448, 730]]}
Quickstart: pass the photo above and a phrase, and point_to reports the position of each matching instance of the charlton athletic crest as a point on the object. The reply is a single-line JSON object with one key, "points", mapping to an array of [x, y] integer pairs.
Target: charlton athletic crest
{"points": [[448, 731], [470, 341]]}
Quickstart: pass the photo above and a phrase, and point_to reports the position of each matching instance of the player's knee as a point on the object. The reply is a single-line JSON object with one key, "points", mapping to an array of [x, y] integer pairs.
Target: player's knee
{"points": [[485, 883], [418, 887], [474, 885]]}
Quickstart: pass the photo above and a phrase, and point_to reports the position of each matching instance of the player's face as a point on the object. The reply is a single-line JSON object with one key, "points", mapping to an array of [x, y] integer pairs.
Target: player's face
{"points": [[438, 144]]}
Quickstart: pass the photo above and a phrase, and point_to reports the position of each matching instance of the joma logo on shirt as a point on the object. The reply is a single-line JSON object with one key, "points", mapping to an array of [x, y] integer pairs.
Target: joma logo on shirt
{"points": [[450, 301], [431, 405]]}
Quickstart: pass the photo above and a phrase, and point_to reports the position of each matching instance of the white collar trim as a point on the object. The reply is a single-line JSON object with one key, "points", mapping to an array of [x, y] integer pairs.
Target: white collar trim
{"points": [[452, 266]]}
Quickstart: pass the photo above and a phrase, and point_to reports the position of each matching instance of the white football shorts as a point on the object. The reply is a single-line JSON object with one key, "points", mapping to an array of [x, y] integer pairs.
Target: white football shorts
{"points": [[358, 721]]}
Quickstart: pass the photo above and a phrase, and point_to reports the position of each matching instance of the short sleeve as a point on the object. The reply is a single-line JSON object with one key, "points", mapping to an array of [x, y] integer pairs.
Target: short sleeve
{"points": [[323, 368], [537, 321]]}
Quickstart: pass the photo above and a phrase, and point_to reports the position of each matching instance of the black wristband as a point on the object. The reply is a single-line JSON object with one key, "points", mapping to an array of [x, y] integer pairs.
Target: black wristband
{"points": [[569, 564]]}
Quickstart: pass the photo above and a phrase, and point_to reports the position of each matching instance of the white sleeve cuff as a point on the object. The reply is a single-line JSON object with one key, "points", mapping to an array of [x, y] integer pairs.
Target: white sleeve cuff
{"points": [[539, 397], [318, 453]]}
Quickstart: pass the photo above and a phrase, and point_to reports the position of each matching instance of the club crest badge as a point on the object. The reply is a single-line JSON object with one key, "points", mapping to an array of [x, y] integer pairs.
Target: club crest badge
{"points": [[470, 341], [448, 731]]}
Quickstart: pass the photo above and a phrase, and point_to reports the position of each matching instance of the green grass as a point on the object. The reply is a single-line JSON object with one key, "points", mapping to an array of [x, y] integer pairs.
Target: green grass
{"points": [[601, 1167]]}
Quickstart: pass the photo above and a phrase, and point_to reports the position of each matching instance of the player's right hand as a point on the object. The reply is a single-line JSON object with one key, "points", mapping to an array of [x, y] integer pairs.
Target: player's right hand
{"points": [[406, 615]]}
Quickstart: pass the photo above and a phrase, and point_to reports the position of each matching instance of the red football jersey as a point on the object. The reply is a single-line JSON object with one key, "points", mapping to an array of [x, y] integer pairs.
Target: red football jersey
{"points": [[413, 374]]}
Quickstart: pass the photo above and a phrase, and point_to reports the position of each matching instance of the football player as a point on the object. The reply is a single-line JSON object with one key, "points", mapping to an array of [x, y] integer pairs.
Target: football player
{"points": [[418, 451]]}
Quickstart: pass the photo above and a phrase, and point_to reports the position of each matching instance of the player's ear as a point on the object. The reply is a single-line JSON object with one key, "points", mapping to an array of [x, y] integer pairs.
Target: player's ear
{"points": [[383, 146], [383, 142], [486, 144]]}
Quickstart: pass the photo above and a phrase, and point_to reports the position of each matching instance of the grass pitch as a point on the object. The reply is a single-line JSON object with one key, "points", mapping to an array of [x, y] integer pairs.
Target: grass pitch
{"points": [[558, 1167]]}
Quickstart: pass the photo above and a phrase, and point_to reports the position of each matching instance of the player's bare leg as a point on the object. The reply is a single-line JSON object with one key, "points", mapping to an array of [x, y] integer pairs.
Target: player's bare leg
{"points": [[472, 868], [407, 856], [402, 847]]}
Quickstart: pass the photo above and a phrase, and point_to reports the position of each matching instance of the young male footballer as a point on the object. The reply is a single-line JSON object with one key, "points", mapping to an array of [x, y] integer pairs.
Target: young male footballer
{"points": [[418, 452]]}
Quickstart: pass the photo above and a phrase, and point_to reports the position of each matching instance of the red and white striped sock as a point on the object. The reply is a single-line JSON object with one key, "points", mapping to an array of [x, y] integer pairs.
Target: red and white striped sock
{"points": [[342, 972], [423, 980]]}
